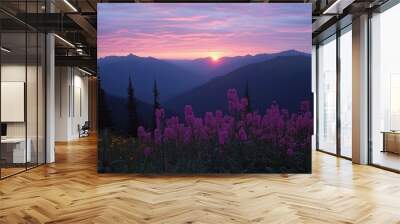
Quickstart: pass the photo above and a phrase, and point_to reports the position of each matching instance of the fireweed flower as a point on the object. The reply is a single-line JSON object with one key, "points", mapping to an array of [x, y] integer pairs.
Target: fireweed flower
{"points": [[243, 104], [189, 115], [209, 120], [242, 134], [249, 118], [199, 130], [160, 113], [147, 137], [173, 123], [286, 131], [147, 151], [169, 134], [305, 106], [222, 136], [157, 137], [219, 115], [290, 152], [143, 135], [233, 101], [187, 135]]}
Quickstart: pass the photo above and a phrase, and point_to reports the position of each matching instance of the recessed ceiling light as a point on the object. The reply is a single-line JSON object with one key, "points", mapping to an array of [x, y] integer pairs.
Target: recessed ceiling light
{"points": [[5, 50], [64, 40], [84, 71], [70, 5], [337, 7]]}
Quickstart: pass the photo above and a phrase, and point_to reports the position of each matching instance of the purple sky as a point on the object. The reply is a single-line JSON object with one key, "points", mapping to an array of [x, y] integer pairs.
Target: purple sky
{"points": [[187, 31]]}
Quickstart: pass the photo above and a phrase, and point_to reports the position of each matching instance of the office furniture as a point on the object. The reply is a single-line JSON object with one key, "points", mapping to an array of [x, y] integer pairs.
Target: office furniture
{"points": [[13, 150], [84, 130], [391, 141]]}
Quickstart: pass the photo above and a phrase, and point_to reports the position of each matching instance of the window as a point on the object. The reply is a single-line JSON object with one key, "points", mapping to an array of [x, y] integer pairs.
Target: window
{"points": [[22, 88], [327, 95], [346, 92], [385, 89]]}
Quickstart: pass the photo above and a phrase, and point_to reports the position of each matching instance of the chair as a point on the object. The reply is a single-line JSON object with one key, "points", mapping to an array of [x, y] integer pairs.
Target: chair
{"points": [[84, 130]]}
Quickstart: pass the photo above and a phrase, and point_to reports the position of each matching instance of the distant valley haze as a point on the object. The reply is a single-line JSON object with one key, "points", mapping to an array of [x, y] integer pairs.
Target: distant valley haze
{"points": [[282, 77], [173, 76]]}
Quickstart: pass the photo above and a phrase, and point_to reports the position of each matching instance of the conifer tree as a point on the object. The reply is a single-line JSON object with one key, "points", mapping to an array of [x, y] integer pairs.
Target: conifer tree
{"points": [[104, 124], [247, 95], [132, 110], [105, 119], [156, 103]]}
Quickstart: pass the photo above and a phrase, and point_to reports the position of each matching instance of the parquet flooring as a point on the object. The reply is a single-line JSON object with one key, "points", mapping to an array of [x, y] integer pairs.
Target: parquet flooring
{"points": [[71, 191]]}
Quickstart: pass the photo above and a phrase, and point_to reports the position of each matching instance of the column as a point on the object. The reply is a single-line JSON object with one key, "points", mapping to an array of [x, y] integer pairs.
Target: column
{"points": [[360, 90]]}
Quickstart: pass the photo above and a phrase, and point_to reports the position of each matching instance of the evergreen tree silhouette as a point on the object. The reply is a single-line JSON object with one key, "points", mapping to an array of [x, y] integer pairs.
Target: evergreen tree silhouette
{"points": [[156, 103], [247, 95], [105, 119], [132, 110], [104, 126]]}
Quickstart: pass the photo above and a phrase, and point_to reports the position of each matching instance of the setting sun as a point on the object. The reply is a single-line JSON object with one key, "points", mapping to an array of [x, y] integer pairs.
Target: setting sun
{"points": [[215, 55]]}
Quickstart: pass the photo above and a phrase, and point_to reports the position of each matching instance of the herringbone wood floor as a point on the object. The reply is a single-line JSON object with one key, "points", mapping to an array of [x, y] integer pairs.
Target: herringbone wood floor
{"points": [[70, 191]]}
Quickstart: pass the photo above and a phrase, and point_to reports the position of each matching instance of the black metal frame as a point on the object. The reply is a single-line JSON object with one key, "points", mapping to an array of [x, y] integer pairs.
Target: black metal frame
{"points": [[44, 80], [338, 97], [369, 98]]}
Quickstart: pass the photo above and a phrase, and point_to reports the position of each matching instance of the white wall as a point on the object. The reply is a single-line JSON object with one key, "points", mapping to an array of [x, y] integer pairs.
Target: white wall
{"points": [[62, 82], [9, 73], [17, 73], [71, 93]]}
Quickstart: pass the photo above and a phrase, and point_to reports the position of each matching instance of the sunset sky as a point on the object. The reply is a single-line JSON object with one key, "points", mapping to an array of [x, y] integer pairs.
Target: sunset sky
{"points": [[187, 31]]}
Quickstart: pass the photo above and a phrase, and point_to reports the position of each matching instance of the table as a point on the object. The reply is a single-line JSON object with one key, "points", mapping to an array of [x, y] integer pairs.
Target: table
{"points": [[391, 141], [15, 148]]}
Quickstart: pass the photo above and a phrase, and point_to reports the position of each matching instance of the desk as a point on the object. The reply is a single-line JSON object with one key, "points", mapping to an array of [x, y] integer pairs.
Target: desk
{"points": [[15, 148], [391, 141]]}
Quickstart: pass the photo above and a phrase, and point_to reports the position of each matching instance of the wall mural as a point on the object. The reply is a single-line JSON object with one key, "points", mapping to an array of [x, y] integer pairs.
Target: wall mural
{"points": [[204, 88]]}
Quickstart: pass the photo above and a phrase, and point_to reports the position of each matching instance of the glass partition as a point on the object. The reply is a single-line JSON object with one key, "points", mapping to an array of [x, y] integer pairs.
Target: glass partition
{"points": [[346, 92], [31, 99], [14, 153], [41, 96], [385, 89], [327, 95], [22, 88]]}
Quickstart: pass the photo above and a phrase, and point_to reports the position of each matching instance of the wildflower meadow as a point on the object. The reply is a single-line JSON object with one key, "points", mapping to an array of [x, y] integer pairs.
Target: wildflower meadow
{"points": [[238, 141]]}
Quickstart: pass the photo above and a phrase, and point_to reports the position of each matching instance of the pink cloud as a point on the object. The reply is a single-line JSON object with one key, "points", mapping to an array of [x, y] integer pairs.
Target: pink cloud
{"points": [[194, 30], [185, 19]]}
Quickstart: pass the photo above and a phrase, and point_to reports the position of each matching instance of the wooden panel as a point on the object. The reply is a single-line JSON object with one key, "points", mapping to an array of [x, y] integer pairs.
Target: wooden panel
{"points": [[392, 142]]}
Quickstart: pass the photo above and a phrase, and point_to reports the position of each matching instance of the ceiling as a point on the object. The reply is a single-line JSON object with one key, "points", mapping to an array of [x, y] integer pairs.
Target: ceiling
{"points": [[75, 21]]}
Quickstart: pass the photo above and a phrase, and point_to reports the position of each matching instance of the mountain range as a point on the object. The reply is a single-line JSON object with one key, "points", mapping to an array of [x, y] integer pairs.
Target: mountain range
{"points": [[171, 79], [173, 76], [209, 68], [283, 77]]}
